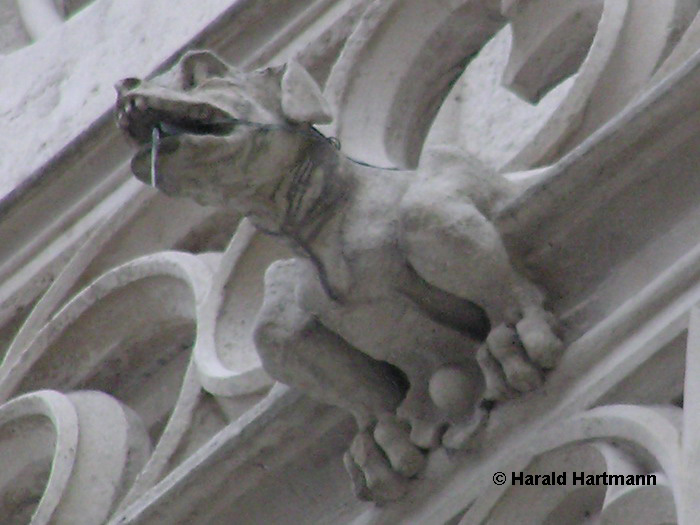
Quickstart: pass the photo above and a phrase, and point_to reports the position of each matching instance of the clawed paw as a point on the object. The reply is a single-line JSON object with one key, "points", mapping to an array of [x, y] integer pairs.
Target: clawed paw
{"points": [[513, 359], [380, 462], [542, 346]]}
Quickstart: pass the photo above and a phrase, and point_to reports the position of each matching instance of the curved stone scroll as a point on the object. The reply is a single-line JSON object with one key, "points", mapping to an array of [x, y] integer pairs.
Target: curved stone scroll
{"points": [[59, 291], [646, 441], [139, 310], [574, 503], [645, 505], [395, 70], [631, 40], [71, 454], [227, 361], [386, 94], [547, 49], [145, 292], [105, 329]]}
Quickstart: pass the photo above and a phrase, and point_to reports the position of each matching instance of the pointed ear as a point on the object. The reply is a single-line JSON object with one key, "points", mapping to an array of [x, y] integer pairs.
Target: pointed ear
{"points": [[302, 100], [199, 65]]}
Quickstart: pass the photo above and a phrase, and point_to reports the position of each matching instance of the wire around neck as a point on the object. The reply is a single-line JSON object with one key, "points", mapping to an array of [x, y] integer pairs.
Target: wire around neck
{"points": [[307, 130]]}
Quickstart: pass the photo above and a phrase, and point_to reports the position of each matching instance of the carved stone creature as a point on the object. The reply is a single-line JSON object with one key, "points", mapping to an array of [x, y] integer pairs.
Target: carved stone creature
{"points": [[402, 306]]}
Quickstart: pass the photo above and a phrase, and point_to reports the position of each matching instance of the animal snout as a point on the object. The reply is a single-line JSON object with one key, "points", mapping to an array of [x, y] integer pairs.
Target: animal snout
{"points": [[127, 84]]}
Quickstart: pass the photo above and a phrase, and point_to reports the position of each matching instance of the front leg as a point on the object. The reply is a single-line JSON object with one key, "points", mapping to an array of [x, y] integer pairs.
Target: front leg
{"points": [[296, 349]]}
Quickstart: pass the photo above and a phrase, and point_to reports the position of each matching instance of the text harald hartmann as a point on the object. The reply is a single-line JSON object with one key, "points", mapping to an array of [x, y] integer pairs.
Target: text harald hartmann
{"points": [[581, 478]]}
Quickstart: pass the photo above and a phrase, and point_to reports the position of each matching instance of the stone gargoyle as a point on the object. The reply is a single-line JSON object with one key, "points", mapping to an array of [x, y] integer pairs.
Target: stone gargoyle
{"points": [[402, 305]]}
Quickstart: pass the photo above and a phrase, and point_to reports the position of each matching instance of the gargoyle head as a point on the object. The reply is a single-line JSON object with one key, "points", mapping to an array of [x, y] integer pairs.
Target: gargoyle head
{"points": [[216, 134]]}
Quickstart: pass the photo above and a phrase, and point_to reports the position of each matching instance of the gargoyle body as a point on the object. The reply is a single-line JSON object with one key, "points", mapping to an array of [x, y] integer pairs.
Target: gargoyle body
{"points": [[402, 306]]}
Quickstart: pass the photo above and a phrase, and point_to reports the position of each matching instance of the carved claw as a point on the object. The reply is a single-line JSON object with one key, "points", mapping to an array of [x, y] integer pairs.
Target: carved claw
{"points": [[380, 461], [393, 437], [372, 476], [357, 478], [542, 346], [426, 422], [496, 388], [520, 373]]}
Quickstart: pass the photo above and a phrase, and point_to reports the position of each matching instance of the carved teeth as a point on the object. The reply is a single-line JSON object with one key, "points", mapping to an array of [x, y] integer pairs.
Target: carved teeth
{"points": [[122, 120]]}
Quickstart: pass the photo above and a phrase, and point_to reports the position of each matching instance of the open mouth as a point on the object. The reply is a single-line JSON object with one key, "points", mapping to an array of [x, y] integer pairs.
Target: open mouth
{"points": [[150, 121], [139, 115]]}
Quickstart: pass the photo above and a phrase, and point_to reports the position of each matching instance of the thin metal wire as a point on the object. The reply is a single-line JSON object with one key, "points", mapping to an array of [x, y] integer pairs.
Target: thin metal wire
{"points": [[226, 125], [155, 143]]}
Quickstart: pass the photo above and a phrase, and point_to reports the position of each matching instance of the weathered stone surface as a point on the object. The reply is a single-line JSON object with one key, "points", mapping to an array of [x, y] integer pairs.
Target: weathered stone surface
{"points": [[65, 79], [367, 289], [612, 229]]}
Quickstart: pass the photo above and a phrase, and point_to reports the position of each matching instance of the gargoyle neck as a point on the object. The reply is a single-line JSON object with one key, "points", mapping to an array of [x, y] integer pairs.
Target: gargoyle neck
{"points": [[307, 196], [307, 203]]}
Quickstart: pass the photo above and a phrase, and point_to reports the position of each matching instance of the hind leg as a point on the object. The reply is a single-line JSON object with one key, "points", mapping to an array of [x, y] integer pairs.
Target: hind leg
{"points": [[453, 246], [298, 350]]}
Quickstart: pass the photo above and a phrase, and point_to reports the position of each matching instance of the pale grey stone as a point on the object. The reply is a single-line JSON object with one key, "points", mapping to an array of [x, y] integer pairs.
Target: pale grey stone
{"points": [[399, 274]]}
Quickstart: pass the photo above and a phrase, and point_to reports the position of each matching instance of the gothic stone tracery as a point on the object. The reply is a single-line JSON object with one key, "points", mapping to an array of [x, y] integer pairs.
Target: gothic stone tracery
{"points": [[130, 378]]}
